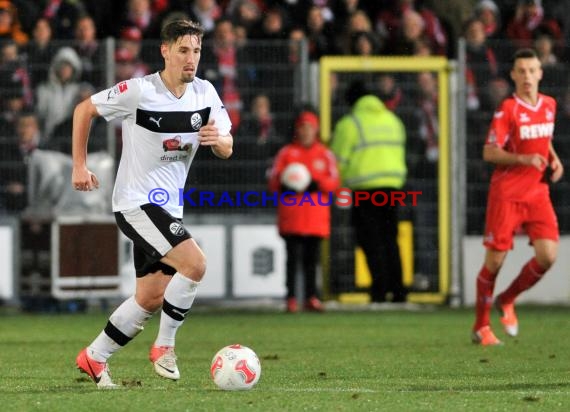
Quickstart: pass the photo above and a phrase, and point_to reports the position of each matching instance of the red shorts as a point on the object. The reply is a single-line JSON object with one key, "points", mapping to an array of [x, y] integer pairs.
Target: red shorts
{"points": [[504, 217]]}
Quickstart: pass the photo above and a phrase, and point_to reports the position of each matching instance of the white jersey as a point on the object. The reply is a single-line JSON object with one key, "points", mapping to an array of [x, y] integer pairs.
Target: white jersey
{"points": [[160, 137]]}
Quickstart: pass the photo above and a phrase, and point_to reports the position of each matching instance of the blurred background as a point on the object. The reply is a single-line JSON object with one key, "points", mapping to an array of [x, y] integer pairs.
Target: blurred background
{"points": [[443, 66]]}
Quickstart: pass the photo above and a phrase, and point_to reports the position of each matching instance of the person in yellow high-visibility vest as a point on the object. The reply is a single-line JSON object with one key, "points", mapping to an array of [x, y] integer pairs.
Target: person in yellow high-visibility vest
{"points": [[369, 143]]}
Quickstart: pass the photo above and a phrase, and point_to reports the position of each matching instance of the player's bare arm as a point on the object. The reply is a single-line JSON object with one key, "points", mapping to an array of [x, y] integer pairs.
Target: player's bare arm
{"points": [[555, 165], [222, 145], [81, 178], [497, 155]]}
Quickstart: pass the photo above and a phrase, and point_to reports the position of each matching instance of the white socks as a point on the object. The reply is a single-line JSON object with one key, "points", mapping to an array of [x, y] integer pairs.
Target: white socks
{"points": [[128, 320], [178, 298], [124, 324]]}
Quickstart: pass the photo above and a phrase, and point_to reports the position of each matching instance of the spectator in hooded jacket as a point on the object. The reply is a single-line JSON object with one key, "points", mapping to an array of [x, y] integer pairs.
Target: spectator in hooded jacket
{"points": [[303, 217], [61, 87]]}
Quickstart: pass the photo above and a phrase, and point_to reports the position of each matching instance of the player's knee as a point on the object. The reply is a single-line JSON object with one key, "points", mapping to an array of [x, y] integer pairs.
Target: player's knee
{"points": [[150, 302], [194, 268], [494, 260], [494, 264], [546, 260]]}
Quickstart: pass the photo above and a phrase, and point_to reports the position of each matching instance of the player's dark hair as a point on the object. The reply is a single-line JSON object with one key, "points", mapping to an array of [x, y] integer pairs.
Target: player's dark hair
{"points": [[180, 28], [526, 53]]}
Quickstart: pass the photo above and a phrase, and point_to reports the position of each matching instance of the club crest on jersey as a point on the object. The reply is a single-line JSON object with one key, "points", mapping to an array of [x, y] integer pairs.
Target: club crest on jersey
{"points": [[319, 164], [196, 121], [177, 229]]}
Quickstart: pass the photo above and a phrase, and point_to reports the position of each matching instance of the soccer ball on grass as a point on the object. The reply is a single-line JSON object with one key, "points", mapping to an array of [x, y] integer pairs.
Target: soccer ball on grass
{"points": [[235, 367]]}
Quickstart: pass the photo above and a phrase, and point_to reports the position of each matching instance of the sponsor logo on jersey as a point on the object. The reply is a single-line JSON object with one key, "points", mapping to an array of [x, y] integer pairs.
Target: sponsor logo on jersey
{"points": [[175, 122], [174, 157], [173, 144], [116, 89], [524, 118], [157, 121], [536, 131]]}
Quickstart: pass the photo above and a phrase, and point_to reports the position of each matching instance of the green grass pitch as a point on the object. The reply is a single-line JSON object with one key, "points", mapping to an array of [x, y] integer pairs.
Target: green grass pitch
{"points": [[337, 361]]}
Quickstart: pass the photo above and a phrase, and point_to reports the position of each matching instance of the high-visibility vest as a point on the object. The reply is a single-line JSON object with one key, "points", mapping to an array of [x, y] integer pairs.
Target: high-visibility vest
{"points": [[369, 144]]}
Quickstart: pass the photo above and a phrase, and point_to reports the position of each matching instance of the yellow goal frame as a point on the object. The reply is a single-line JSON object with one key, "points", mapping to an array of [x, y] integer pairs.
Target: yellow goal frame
{"points": [[440, 65]]}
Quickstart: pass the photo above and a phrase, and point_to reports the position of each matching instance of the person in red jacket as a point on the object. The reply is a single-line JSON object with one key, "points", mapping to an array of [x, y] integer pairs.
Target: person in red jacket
{"points": [[303, 216]]}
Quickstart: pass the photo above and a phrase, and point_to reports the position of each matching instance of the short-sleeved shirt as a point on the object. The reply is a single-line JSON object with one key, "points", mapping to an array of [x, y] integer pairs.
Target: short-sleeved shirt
{"points": [[160, 136], [520, 128]]}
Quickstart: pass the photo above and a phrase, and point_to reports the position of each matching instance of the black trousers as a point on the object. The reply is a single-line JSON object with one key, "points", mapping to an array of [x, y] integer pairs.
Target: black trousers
{"points": [[376, 231], [303, 250]]}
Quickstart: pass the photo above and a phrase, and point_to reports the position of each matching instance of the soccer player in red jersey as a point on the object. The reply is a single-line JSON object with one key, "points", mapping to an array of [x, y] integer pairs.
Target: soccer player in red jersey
{"points": [[519, 143]]}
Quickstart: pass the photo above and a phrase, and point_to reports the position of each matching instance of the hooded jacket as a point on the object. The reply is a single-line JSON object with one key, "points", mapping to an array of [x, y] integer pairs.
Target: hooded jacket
{"points": [[56, 100]]}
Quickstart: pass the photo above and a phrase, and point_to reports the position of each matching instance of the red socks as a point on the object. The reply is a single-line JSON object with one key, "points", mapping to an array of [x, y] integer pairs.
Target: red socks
{"points": [[485, 287], [529, 275]]}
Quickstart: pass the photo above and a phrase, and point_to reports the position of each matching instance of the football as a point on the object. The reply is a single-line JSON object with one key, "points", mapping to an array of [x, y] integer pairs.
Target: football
{"points": [[296, 176], [235, 368]]}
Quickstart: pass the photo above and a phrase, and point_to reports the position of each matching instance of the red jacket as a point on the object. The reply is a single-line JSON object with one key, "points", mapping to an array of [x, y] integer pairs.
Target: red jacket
{"points": [[309, 218]]}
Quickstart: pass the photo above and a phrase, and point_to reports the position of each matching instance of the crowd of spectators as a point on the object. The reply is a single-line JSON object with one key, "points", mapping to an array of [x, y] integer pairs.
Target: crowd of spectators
{"points": [[51, 55], [54, 53]]}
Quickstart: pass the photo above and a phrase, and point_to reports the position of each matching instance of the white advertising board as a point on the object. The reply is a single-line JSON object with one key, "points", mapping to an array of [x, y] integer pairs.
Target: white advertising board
{"points": [[553, 288], [6, 262], [212, 241], [258, 263]]}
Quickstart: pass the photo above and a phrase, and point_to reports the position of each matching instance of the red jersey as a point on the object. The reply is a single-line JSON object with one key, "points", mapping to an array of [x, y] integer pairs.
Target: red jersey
{"points": [[306, 219], [518, 127]]}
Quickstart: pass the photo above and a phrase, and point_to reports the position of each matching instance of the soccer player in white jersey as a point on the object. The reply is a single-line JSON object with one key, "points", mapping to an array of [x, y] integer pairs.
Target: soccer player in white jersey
{"points": [[166, 117]]}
